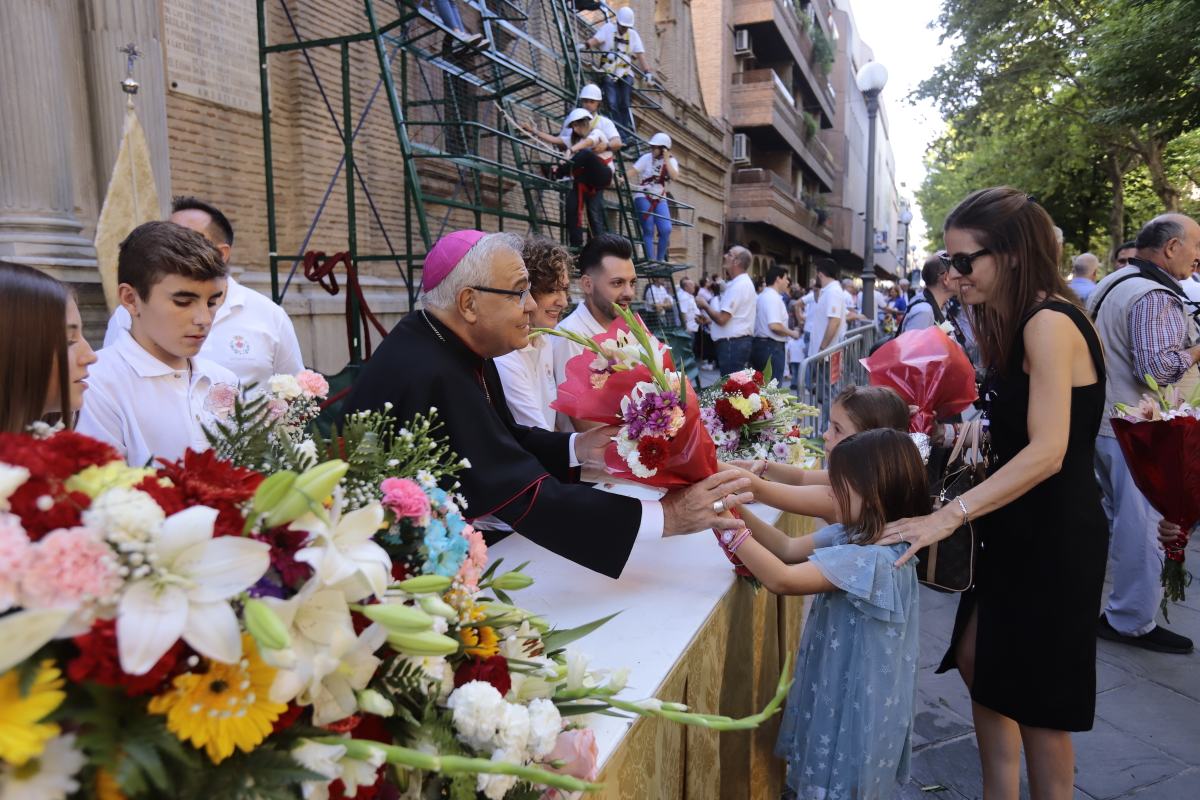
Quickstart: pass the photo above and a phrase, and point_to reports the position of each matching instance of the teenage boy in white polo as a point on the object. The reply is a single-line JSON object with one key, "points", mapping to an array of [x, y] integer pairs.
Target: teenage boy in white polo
{"points": [[251, 336], [147, 393]]}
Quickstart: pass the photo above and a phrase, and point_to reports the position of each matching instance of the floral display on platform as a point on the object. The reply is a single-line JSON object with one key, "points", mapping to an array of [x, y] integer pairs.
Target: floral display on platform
{"points": [[751, 416], [1160, 439], [281, 616]]}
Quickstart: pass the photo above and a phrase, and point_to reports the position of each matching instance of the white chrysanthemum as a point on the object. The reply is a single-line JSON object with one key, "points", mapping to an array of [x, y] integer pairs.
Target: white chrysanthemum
{"points": [[545, 723], [477, 708], [513, 733], [494, 787], [11, 479], [285, 386], [128, 517], [49, 777]]}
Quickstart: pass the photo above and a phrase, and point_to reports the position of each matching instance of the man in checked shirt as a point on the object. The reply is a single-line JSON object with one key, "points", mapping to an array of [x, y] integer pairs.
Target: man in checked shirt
{"points": [[1146, 324]]}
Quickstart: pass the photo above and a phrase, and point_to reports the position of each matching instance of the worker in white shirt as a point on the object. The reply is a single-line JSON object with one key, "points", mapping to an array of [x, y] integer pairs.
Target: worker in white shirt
{"points": [[689, 312], [650, 174], [589, 164], [733, 313], [771, 331], [621, 47], [251, 336], [528, 374], [589, 101], [148, 392]]}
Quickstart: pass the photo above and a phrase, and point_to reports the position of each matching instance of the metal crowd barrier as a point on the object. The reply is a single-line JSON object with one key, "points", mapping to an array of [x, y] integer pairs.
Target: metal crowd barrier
{"points": [[825, 374]]}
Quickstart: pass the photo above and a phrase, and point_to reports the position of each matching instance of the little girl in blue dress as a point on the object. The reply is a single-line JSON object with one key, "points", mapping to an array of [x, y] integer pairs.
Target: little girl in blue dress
{"points": [[847, 727]]}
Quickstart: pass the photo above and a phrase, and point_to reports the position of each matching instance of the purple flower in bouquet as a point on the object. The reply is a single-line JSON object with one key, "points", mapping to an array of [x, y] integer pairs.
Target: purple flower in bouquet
{"points": [[654, 414]]}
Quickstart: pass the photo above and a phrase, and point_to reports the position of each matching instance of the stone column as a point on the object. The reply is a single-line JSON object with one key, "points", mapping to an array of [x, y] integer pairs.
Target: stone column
{"points": [[107, 26], [38, 222]]}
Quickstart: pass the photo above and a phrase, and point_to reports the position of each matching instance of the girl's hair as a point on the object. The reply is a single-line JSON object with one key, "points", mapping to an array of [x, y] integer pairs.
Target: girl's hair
{"points": [[548, 263], [871, 407], [1019, 234], [883, 467], [33, 345]]}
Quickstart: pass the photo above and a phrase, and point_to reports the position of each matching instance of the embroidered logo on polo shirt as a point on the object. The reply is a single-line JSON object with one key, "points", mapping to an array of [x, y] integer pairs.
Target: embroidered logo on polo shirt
{"points": [[239, 346]]}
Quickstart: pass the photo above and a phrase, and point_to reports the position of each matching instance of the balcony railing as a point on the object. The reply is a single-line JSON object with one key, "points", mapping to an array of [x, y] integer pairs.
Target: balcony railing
{"points": [[775, 201], [751, 109]]}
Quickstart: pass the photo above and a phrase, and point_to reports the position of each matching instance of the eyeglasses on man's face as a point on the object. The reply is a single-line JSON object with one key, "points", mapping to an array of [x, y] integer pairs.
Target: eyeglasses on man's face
{"points": [[962, 262], [520, 295]]}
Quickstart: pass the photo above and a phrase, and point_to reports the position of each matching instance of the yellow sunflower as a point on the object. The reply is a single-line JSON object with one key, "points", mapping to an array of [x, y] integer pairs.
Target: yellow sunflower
{"points": [[227, 706], [480, 642], [23, 735]]}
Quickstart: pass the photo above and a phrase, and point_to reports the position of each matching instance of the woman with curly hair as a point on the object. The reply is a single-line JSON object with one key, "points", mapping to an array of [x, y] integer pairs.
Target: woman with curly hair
{"points": [[528, 374]]}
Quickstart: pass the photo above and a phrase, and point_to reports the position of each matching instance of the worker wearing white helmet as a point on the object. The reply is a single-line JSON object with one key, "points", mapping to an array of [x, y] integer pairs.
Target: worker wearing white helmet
{"points": [[621, 47], [589, 98], [650, 174], [588, 164]]}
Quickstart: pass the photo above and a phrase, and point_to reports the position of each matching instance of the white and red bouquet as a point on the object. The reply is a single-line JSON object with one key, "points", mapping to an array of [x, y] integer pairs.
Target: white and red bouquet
{"points": [[750, 416]]}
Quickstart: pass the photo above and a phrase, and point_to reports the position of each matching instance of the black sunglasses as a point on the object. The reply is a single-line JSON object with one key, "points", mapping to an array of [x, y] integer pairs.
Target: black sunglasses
{"points": [[962, 261]]}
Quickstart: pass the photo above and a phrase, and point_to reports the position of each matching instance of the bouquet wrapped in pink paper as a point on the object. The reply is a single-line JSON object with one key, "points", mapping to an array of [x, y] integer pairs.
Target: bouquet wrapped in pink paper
{"points": [[927, 369]]}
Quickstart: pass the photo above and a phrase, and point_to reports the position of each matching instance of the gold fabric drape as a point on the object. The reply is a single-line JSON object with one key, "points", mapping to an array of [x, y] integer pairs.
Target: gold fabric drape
{"points": [[731, 667]]}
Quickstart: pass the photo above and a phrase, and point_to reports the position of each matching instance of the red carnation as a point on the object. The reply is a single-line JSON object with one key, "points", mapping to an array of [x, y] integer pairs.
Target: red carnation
{"points": [[492, 670], [205, 480], [80, 452], [731, 387], [758, 377], [285, 543], [731, 418], [652, 451], [98, 662]]}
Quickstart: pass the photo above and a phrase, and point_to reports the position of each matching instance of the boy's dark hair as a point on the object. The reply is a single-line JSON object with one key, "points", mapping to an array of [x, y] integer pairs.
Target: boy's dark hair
{"points": [[871, 407], [606, 244], [828, 267], [224, 229], [154, 250], [883, 467], [774, 274]]}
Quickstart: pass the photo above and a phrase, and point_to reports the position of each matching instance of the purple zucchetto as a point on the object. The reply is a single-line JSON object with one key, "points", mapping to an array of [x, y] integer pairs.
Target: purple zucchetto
{"points": [[441, 260]]}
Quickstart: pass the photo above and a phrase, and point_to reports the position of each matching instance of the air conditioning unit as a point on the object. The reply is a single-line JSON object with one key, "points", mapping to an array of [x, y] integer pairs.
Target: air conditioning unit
{"points": [[741, 148], [741, 42]]}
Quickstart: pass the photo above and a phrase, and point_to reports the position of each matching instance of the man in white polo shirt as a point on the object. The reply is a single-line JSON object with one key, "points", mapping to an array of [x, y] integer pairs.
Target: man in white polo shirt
{"points": [[251, 336], [149, 392], [733, 313], [829, 314], [771, 331]]}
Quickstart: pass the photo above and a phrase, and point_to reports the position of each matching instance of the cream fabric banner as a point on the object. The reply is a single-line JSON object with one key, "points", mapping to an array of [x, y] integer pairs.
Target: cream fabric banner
{"points": [[131, 200]]}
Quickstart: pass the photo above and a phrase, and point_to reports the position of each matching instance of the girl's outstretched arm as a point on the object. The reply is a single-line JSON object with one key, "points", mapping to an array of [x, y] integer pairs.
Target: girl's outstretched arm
{"points": [[781, 578], [789, 550], [812, 501]]}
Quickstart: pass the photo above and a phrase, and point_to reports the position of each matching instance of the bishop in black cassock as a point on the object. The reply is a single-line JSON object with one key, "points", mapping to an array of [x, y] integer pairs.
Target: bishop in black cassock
{"points": [[523, 476]]}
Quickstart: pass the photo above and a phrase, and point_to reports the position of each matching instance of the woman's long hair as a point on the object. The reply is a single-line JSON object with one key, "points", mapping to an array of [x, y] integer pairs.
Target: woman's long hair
{"points": [[33, 346], [1020, 236], [884, 468]]}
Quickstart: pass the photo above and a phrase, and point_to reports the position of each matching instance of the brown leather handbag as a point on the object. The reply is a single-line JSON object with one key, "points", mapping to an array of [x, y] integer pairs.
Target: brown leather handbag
{"points": [[949, 565]]}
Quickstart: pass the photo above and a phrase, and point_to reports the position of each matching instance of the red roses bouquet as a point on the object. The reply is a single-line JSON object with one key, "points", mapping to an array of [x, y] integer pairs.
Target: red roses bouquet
{"points": [[1160, 439], [929, 370]]}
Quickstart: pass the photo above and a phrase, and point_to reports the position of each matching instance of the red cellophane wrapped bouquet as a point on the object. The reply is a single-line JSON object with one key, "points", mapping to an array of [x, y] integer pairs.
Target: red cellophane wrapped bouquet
{"points": [[626, 377], [1160, 439], [929, 370]]}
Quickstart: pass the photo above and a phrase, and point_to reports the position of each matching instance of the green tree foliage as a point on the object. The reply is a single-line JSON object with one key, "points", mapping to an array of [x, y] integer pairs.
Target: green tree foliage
{"points": [[1079, 103]]}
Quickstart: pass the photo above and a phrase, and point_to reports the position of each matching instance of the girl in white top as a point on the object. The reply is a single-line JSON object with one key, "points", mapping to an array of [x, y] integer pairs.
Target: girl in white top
{"points": [[651, 173], [528, 374]]}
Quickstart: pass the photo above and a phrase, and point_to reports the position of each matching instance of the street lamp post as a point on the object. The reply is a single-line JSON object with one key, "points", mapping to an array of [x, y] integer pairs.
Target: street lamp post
{"points": [[871, 79], [905, 219]]}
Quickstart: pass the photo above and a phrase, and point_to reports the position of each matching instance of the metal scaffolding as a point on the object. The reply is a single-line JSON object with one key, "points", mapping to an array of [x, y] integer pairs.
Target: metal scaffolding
{"points": [[454, 105]]}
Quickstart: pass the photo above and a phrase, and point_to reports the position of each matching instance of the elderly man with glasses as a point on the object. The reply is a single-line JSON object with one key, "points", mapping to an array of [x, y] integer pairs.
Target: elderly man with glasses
{"points": [[476, 305]]}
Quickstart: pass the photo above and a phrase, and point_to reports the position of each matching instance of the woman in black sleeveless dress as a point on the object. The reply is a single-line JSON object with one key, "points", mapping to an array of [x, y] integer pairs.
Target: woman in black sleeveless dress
{"points": [[1024, 639]]}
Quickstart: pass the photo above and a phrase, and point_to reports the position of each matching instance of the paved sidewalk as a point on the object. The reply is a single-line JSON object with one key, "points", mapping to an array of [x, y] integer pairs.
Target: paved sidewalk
{"points": [[1146, 741]]}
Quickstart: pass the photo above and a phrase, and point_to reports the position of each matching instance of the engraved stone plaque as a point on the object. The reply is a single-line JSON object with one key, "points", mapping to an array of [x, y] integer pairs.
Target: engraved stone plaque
{"points": [[212, 51]]}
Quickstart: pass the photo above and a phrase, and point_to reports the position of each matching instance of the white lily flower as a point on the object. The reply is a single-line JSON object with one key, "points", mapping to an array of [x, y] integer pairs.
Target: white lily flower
{"points": [[342, 553], [186, 593], [322, 759], [328, 662], [577, 664]]}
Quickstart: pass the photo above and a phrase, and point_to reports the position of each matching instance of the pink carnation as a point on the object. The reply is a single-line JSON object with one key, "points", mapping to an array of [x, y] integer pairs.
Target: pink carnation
{"points": [[68, 567], [276, 408], [407, 499], [220, 400], [14, 554], [578, 751], [473, 565], [313, 383]]}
